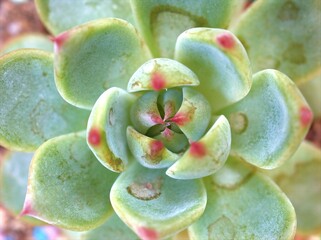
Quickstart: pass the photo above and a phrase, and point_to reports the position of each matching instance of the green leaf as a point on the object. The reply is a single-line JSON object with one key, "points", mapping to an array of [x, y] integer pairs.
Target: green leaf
{"points": [[144, 113], [154, 205], [14, 170], [244, 205], [269, 124], [219, 60], [205, 156], [96, 56], [60, 15], [106, 129], [31, 109], [113, 228], [28, 41], [311, 92], [161, 73], [276, 36], [300, 180], [67, 186], [149, 152], [194, 114], [162, 21]]}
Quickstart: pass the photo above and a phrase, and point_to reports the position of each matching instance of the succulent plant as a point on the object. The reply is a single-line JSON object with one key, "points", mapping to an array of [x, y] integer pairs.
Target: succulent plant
{"points": [[164, 132]]}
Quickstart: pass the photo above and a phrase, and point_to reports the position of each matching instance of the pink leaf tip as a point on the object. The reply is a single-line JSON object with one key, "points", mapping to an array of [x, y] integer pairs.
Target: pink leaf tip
{"points": [[306, 116], [27, 208], [59, 40], [156, 147], [225, 40], [94, 137], [197, 149], [147, 233], [157, 81]]}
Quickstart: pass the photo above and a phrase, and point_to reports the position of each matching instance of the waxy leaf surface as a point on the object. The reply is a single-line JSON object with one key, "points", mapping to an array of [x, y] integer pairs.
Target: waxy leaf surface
{"points": [[106, 129], [32, 40], [60, 15], [95, 56], [162, 21], [244, 205], [31, 109], [269, 124], [155, 205], [67, 186], [205, 156], [300, 180], [113, 228], [14, 168], [220, 62], [283, 35]]}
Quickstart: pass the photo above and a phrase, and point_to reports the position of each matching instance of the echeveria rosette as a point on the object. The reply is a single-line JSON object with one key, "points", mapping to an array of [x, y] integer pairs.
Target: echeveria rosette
{"points": [[204, 100]]}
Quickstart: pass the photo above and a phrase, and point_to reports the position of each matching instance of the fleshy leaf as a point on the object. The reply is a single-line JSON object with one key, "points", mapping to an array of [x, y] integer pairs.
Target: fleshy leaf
{"points": [[31, 109], [194, 114], [161, 73], [67, 186], [205, 156], [300, 180], [269, 124], [173, 141], [13, 182], [154, 205], [283, 24], [311, 92], [96, 56], [37, 41], [244, 205], [219, 60], [162, 21], [113, 228], [106, 130], [60, 15], [149, 152], [144, 112]]}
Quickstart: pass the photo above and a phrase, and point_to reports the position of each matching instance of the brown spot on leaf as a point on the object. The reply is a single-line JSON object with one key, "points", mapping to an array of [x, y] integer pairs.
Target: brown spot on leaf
{"points": [[289, 11], [146, 191]]}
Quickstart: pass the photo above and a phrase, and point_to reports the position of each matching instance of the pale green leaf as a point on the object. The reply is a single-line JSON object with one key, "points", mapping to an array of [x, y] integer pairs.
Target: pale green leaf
{"points": [[154, 205], [31, 109], [60, 15], [106, 129], [67, 186], [95, 56], [244, 205], [283, 35], [220, 62], [162, 21], [269, 124]]}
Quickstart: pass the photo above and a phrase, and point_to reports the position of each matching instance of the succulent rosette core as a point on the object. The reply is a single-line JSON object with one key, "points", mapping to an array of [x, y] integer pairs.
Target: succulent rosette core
{"points": [[166, 133]]}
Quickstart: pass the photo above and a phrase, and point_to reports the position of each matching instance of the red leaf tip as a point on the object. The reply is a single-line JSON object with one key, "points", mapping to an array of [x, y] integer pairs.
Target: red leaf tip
{"points": [[147, 233], [158, 81], [306, 116], [27, 208], [197, 149], [225, 40], [180, 119], [156, 147], [94, 137], [59, 40]]}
